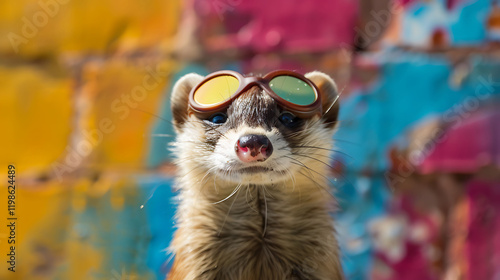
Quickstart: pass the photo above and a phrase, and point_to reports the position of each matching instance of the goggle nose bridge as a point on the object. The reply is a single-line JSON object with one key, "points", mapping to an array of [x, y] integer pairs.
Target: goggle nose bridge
{"points": [[251, 81]]}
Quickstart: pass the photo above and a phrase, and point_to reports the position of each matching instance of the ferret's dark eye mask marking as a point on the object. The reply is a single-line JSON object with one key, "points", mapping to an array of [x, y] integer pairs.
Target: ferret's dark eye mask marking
{"points": [[287, 119], [255, 109]]}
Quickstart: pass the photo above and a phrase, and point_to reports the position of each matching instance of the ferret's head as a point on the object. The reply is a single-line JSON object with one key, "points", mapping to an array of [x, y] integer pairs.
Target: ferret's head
{"points": [[253, 140]]}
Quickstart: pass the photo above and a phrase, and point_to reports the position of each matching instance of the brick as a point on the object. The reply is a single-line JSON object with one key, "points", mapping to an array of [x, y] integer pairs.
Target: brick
{"points": [[119, 103], [36, 109]]}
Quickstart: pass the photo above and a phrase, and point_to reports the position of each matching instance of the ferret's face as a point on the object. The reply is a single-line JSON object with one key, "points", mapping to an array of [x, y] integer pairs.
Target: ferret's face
{"points": [[254, 140]]}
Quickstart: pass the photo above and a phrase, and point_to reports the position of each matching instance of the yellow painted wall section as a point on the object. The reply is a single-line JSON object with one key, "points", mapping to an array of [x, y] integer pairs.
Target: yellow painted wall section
{"points": [[36, 117], [42, 219], [119, 102], [31, 28]]}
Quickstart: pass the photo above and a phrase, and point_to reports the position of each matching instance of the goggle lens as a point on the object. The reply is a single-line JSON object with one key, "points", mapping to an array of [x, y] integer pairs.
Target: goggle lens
{"points": [[216, 90], [293, 90]]}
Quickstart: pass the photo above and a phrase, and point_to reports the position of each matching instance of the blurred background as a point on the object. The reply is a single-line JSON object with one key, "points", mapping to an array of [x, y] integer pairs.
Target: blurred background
{"points": [[84, 108]]}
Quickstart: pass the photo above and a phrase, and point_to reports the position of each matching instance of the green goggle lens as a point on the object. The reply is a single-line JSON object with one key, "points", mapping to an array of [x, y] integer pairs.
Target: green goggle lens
{"points": [[293, 90], [216, 90]]}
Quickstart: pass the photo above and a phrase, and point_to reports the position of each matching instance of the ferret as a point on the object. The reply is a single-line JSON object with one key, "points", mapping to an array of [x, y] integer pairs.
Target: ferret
{"points": [[254, 220]]}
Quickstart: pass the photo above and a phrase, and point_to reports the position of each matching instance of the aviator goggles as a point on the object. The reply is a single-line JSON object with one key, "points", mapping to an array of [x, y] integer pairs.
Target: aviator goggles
{"points": [[293, 92]]}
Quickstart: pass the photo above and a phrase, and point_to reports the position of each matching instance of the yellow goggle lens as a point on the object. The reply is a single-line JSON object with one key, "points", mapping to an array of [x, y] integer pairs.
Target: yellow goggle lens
{"points": [[293, 90], [216, 90]]}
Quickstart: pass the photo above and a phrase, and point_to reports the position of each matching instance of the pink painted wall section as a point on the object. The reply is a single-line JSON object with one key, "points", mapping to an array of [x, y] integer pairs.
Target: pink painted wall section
{"points": [[483, 239], [453, 154], [405, 254], [283, 25]]}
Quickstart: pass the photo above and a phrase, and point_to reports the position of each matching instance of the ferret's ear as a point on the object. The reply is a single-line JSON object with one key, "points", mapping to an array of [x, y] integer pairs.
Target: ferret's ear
{"points": [[328, 92], [180, 98]]}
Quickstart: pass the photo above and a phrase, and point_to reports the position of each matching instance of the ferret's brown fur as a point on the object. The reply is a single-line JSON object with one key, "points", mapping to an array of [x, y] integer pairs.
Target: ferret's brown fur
{"points": [[254, 226]]}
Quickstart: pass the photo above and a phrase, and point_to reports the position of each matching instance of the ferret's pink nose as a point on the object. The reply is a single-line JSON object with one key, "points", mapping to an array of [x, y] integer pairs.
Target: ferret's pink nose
{"points": [[253, 147]]}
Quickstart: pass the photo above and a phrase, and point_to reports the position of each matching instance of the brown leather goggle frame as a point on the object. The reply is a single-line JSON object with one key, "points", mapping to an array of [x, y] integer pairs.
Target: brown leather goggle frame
{"points": [[245, 83]]}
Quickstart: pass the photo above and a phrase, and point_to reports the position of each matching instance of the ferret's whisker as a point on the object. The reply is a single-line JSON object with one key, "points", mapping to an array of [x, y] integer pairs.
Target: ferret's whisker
{"points": [[215, 185], [270, 194], [312, 170], [230, 195], [229, 210], [335, 100], [246, 198], [321, 148], [313, 158], [152, 114], [209, 171], [317, 148], [265, 209], [346, 141], [301, 132], [299, 163], [149, 197], [211, 128], [334, 160], [320, 187], [176, 144], [193, 169], [292, 177], [161, 135], [344, 178], [330, 157]]}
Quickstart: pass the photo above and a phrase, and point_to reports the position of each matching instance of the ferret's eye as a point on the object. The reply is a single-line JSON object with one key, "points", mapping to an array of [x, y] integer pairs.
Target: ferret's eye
{"points": [[288, 119], [218, 118]]}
